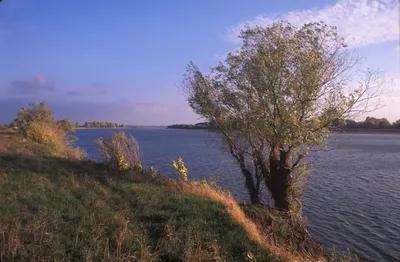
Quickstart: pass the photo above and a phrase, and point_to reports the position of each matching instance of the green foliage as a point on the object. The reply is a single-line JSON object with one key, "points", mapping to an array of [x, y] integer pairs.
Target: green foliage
{"points": [[396, 124], [101, 125], [196, 126], [66, 125], [121, 152], [38, 124], [369, 124], [276, 98], [34, 113]]}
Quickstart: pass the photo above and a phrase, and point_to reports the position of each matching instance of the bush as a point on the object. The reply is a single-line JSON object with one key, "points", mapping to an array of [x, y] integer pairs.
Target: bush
{"points": [[37, 123], [35, 113], [56, 138], [121, 152]]}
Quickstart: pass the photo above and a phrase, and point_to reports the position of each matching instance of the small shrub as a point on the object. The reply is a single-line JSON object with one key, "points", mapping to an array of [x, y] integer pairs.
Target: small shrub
{"points": [[121, 152], [55, 138], [45, 134], [180, 168], [154, 172]]}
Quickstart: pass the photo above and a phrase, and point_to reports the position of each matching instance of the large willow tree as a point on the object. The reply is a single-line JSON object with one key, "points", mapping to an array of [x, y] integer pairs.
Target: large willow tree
{"points": [[276, 98]]}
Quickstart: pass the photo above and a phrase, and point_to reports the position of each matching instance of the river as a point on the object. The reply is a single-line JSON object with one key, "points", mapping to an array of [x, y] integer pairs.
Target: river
{"points": [[352, 199]]}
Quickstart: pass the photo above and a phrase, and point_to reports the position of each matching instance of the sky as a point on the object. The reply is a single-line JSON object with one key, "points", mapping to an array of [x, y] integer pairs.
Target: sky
{"points": [[123, 61]]}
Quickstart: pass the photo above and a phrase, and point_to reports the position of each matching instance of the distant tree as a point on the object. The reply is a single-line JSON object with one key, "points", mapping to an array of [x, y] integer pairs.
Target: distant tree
{"points": [[66, 125], [376, 123], [371, 122], [97, 124], [351, 123], [396, 124], [276, 98], [34, 113], [384, 124]]}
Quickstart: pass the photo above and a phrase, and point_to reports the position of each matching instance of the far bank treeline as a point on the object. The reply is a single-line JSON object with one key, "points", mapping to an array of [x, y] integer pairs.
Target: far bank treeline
{"points": [[339, 125], [203, 125], [99, 125], [368, 123], [68, 125]]}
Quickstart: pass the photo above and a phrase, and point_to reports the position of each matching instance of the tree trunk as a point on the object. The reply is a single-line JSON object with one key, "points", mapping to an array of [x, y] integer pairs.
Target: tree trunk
{"points": [[251, 187], [279, 183]]}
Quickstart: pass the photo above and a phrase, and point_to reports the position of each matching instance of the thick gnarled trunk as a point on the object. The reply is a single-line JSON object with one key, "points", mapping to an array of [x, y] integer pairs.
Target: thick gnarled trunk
{"points": [[278, 185], [279, 180]]}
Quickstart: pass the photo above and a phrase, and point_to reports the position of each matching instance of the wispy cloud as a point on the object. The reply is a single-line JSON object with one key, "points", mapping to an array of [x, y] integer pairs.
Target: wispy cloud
{"points": [[362, 22], [34, 85]]}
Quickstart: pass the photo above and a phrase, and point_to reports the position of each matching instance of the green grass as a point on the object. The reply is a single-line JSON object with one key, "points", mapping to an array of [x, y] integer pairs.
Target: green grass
{"points": [[57, 209]]}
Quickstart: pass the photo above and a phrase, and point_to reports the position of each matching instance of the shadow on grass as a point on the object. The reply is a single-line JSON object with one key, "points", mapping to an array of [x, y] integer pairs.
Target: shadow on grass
{"points": [[48, 164]]}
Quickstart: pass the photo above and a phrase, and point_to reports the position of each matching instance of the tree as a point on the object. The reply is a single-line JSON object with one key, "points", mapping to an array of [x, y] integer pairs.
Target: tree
{"points": [[371, 122], [66, 125], [384, 123], [34, 113], [276, 98], [396, 124], [376, 123]]}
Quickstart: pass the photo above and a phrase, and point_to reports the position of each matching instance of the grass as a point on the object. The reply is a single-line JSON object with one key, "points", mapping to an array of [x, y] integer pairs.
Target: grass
{"points": [[61, 209], [284, 231]]}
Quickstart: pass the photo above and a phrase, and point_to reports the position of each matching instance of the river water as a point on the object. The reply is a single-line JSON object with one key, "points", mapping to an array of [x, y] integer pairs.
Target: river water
{"points": [[352, 199]]}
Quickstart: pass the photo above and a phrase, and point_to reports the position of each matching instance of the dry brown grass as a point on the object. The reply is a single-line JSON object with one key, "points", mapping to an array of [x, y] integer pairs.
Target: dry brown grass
{"points": [[10, 142], [233, 208]]}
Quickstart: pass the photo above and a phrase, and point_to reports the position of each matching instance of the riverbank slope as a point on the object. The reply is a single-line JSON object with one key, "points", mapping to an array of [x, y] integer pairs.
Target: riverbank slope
{"points": [[57, 209]]}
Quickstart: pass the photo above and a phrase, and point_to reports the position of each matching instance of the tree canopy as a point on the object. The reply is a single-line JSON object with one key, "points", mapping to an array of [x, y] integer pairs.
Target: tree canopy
{"points": [[277, 97], [66, 125], [34, 113]]}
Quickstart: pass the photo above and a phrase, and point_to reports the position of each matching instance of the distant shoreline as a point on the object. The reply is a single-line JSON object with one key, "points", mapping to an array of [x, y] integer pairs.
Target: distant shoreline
{"points": [[125, 127], [342, 131], [367, 131], [82, 128]]}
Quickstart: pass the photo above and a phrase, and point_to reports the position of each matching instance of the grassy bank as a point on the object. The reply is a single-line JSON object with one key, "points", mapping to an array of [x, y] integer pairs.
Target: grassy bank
{"points": [[52, 208]]}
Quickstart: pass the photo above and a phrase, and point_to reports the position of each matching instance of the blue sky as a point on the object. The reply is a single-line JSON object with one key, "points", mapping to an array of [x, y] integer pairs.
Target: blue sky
{"points": [[123, 61]]}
